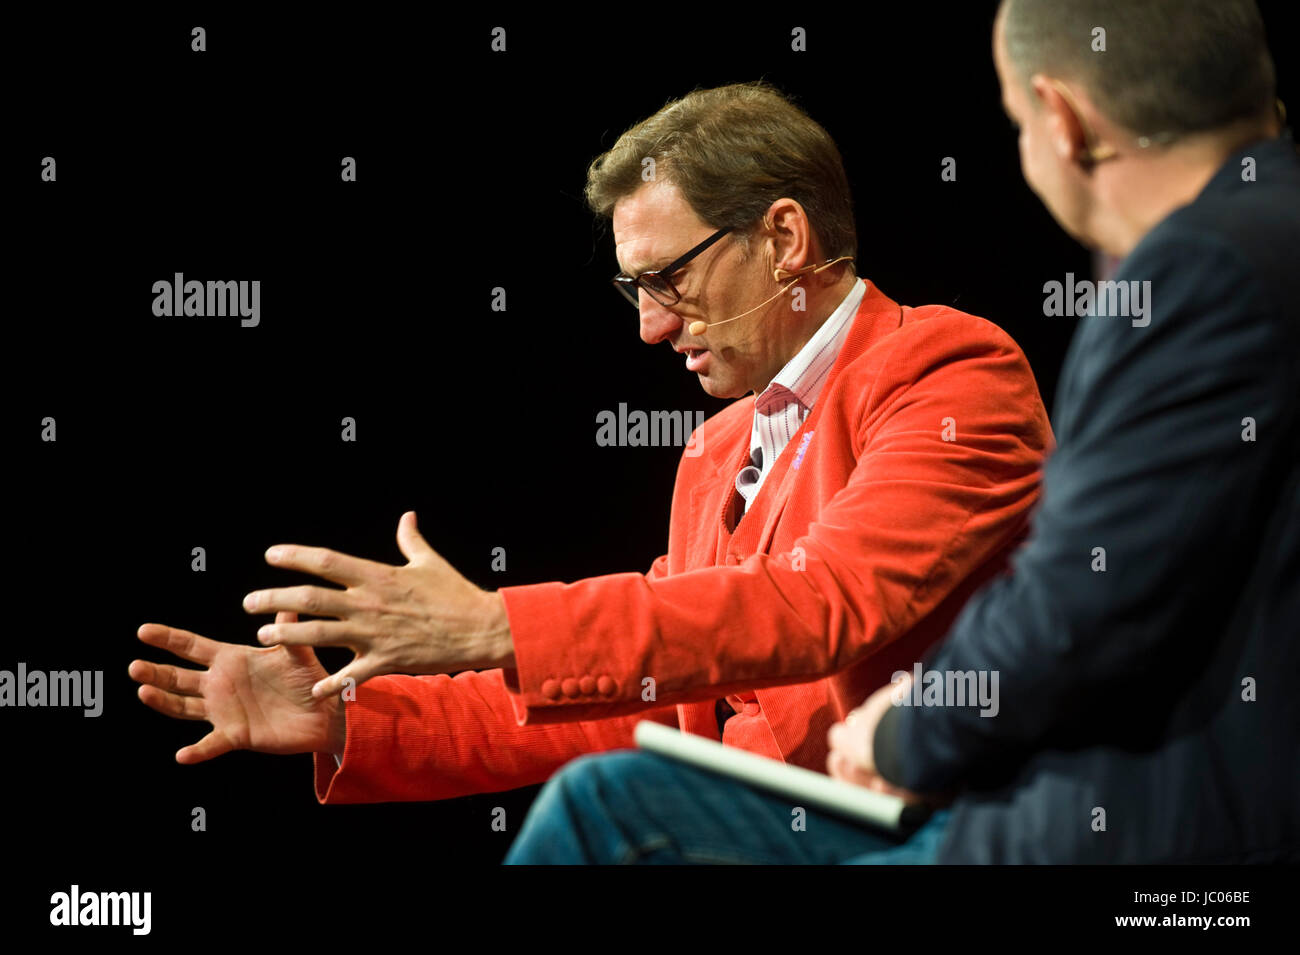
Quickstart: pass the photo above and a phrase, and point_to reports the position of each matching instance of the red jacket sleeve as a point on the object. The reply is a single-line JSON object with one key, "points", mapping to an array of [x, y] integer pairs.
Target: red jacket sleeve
{"points": [[412, 738], [918, 515], [436, 737]]}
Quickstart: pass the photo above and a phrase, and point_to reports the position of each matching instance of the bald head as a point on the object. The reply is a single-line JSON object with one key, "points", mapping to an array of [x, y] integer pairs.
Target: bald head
{"points": [[1158, 68]]}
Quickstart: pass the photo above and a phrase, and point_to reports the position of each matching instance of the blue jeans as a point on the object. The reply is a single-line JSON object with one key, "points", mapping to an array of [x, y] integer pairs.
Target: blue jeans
{"points": [[630, 806]]}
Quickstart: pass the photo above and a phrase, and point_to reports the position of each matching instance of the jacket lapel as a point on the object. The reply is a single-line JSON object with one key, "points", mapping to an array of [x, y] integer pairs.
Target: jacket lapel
{"points": [[877, 316]]}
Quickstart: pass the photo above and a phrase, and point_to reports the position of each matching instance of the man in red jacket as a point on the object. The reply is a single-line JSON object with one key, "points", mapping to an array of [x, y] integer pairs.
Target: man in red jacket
{"points": [[878, 466]]}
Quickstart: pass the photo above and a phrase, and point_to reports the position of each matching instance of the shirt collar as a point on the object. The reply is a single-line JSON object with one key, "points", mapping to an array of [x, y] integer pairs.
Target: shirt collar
{"points": [[802, 377]]}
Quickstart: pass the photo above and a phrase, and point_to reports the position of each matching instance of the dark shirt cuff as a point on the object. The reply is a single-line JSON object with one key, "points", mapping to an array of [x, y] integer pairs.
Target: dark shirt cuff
{"points": [[886, 748]]}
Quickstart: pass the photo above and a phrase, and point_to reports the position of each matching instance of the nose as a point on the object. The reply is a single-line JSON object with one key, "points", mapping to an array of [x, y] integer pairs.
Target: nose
{"points": [[657, 322]]}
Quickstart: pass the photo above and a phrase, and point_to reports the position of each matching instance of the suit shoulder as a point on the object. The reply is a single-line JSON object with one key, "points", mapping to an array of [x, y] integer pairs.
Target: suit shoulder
{"points": [[1238, 232], [1244, 214]]}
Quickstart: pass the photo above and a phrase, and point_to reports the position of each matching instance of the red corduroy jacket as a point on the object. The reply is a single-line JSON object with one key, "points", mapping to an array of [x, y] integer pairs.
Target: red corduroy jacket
{"points": [[906, 488]]}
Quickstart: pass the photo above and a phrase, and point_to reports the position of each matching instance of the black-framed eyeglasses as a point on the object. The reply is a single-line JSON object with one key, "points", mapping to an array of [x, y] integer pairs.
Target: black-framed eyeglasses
{"points": [[657, 284]]}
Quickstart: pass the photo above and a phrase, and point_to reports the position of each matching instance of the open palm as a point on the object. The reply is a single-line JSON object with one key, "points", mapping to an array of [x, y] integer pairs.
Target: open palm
{"points": [[255, 698]]}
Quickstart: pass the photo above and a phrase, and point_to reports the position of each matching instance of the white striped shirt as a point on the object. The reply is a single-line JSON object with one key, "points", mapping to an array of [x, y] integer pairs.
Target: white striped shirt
{"points": [[784, 404]]}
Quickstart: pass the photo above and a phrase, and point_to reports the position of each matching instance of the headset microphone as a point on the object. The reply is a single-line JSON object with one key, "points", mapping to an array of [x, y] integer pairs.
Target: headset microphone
{"points": [[698, 328]]}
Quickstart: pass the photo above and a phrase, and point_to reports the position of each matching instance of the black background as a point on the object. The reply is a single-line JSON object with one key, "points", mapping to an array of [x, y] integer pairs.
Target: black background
{"points": [[176, 433]]}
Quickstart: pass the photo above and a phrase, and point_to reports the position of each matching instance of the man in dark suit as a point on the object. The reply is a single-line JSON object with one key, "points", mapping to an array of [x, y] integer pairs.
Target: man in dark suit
{"points": [[1147, 642]]}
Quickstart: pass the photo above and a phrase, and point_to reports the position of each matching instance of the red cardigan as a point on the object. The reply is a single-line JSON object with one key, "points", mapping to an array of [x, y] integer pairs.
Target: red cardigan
{"points": [[906, 488]]}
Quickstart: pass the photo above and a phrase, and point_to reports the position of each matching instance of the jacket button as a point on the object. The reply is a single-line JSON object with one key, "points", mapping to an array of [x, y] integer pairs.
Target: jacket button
{"points": [[588, 685], [733, 559], [606, 685], [551, 689], [570, 687]]}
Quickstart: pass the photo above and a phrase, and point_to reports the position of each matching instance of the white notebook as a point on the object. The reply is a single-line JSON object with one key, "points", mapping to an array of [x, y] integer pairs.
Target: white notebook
{"points": [[803, 786]]}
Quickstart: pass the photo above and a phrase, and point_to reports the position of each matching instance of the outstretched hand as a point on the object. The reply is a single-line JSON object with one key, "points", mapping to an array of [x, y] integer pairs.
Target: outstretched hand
{"points": [[423, 617], [255, 699]]}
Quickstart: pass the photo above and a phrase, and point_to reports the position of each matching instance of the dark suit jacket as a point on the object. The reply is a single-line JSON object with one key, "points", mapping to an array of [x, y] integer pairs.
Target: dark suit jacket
{"points": [[1158, 696]]}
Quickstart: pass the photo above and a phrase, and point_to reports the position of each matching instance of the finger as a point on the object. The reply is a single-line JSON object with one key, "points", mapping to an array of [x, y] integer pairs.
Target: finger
{"points": [[315, 633], [848, 743], [860, 712], [879, 784], [843, 738], [301, 654], [173, 704], [410, 541], [318, 601], [359, 671], [843, 768], [165, 677], [330, 564], [852, 741], [186, 645], [889, 789], [214, 744], [837, 766]]}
